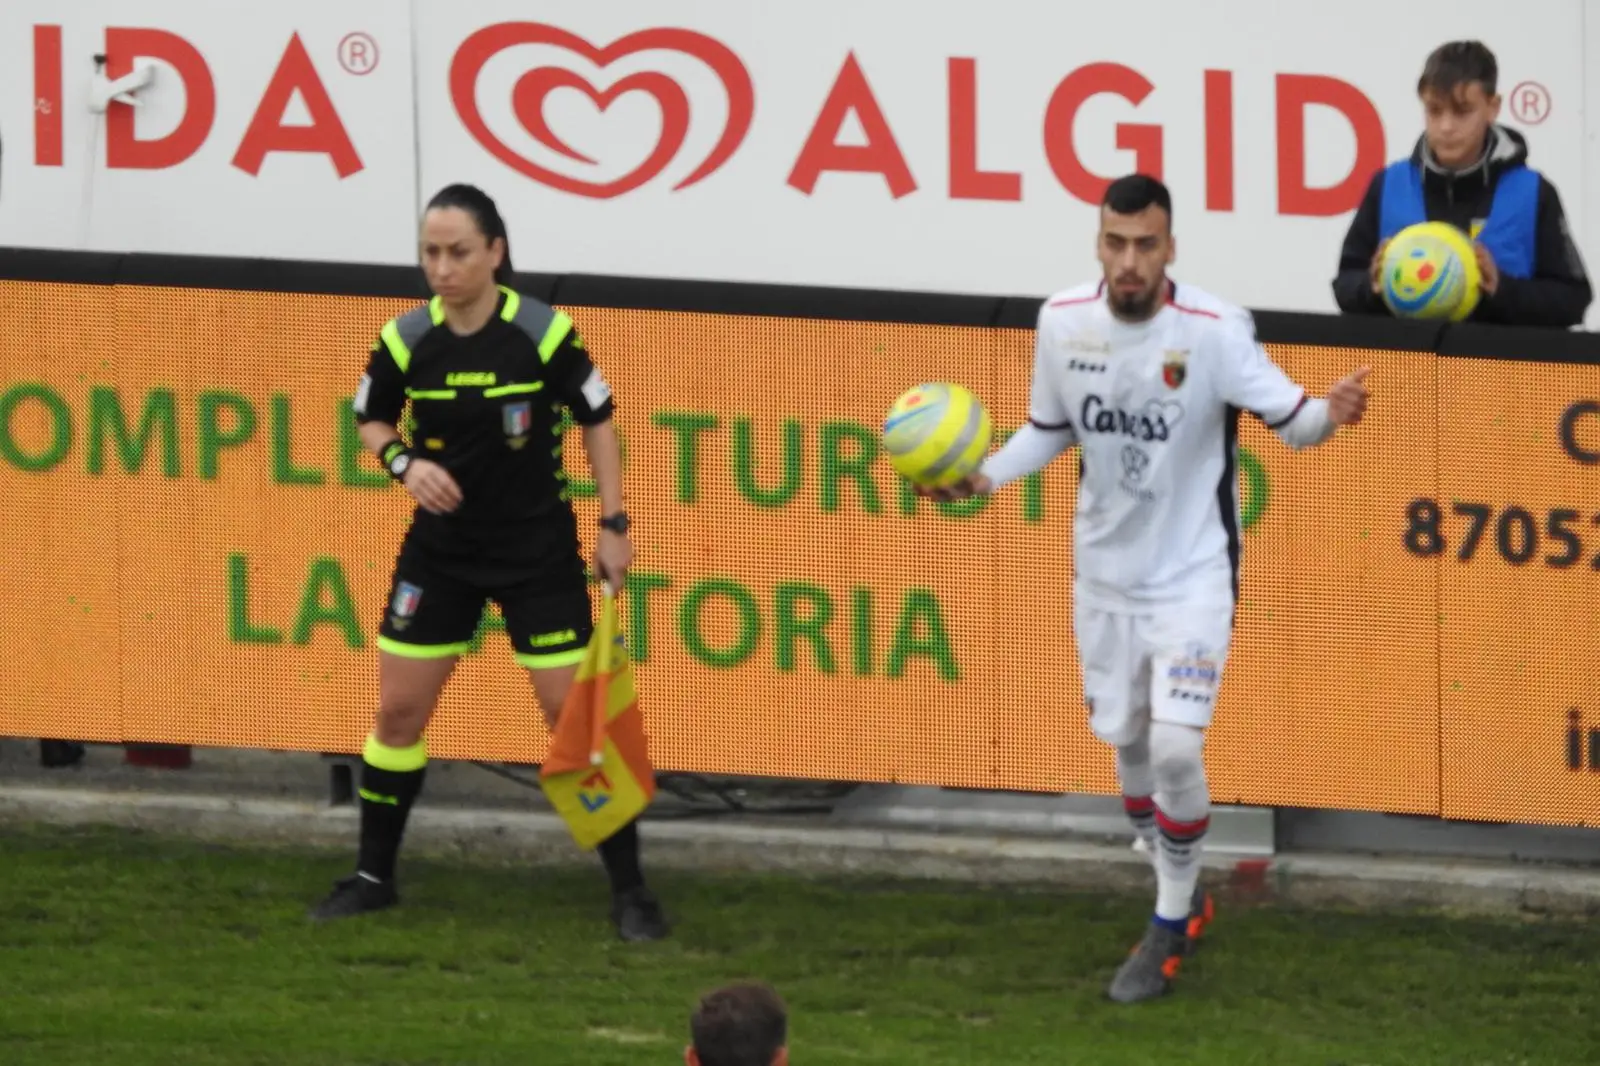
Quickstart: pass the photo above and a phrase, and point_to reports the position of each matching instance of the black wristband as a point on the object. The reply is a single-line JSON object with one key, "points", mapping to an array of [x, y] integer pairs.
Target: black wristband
{"points": [[396, 458]]}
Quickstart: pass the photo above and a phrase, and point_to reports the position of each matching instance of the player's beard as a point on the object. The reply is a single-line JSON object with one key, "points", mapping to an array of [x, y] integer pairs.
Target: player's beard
{"points": [[1136, 308]]}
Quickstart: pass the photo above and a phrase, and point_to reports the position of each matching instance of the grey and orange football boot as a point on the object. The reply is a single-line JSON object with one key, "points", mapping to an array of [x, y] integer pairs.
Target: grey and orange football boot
{"points": [[1151, 967]]}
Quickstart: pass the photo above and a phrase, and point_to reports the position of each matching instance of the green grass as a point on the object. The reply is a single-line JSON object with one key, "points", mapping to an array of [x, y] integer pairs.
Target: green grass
{"points": [[127, 949]]}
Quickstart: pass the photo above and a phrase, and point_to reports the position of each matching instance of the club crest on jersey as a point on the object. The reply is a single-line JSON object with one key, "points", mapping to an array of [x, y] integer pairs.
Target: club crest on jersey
{"points": [[517, 419], [1174, 368]]}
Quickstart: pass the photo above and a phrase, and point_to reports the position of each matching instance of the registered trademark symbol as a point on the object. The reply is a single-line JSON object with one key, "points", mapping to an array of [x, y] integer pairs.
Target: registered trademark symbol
{"points": [[1530, 103], [358, 54]]}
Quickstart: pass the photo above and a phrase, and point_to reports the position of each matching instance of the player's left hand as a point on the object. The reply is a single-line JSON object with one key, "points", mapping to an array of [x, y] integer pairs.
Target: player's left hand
{"points": [[1347, 399], [1488, 273], [612, 557]]}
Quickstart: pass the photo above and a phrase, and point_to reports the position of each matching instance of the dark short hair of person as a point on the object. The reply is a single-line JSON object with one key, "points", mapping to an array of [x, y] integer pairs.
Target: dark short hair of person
{"points": [[1456, 64], [741, 1024], [1131, 194]]}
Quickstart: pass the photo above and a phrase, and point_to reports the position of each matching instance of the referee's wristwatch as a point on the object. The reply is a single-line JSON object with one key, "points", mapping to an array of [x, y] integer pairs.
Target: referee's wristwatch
{"points": [[396, 457], [616, 523]]}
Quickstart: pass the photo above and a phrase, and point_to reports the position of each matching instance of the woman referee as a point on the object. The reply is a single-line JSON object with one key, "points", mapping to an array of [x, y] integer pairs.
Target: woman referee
{"points": [[486, 371]]}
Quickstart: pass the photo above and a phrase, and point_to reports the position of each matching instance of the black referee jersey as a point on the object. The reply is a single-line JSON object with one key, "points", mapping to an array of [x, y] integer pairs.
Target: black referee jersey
{"points": [[487, 407]]}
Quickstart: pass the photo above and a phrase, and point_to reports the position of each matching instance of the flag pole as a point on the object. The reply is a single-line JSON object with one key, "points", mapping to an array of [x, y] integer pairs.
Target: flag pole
{"points": [[597, 717]]}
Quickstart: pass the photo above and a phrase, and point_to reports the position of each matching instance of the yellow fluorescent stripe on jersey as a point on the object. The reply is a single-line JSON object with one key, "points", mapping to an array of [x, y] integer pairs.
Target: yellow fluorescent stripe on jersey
{"points": [[513, 303], [390, 334], [431, 394], [560, 326], [436, 310], [508, 390]]}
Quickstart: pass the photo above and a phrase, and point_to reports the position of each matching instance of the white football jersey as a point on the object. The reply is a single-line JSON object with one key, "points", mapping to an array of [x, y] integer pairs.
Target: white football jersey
{"points": [[1154, 407]]}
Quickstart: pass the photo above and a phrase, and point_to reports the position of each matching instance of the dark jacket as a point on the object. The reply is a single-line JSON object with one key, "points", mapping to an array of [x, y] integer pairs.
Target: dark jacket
{"points": [[1557, 294]]}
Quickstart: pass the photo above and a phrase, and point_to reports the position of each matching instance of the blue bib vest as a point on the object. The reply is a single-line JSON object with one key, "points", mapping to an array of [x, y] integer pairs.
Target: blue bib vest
{"points": [[1509, 233]]}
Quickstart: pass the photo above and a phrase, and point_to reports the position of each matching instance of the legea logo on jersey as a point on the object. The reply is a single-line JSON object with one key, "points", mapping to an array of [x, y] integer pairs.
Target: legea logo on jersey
{"points": [[1152, 422], [517, 131]]}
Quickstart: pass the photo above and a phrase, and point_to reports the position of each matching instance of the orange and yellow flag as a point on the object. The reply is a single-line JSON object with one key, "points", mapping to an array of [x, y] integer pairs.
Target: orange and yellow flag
{"points": [[598, 774]]}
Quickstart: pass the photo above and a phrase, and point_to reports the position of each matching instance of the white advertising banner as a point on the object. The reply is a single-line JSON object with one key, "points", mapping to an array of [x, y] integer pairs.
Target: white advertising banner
{"points": [[277, 130], [837, 142]]}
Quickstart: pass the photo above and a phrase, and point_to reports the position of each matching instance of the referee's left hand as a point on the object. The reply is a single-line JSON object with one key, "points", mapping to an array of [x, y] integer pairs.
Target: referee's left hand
{"points": [[612, 557]]}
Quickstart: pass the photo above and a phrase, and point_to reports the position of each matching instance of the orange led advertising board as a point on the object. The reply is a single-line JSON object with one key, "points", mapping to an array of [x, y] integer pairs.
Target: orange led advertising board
{"points": [[200, 552]]}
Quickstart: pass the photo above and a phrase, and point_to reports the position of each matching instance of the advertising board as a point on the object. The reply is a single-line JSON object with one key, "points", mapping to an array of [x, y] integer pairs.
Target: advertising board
{"points": [[200, 553], [822, 144]]}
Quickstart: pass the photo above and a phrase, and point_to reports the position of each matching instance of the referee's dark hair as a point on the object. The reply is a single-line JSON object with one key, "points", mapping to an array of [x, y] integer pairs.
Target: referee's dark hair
{"points": [[741, 1024], [475, 202], [1131, 194]]}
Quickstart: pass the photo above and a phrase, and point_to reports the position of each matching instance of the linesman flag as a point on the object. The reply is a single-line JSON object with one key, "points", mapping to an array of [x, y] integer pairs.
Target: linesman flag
{"points": [[598, 774]]}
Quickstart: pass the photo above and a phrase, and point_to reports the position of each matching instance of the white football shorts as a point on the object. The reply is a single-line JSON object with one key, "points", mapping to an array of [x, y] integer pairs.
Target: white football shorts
{"points": [[1163, 665]]}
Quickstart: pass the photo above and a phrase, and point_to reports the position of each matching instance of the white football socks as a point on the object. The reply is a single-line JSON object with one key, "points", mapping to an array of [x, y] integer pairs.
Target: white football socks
{"points": [[1182, 815]]}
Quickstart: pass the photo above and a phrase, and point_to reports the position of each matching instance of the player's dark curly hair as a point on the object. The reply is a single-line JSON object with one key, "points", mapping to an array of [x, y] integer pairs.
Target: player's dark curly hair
{"points": [[477, 203]]}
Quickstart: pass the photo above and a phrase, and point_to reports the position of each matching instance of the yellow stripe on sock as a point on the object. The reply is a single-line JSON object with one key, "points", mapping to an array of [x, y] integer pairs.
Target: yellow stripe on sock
{"points": [[398, 760]]}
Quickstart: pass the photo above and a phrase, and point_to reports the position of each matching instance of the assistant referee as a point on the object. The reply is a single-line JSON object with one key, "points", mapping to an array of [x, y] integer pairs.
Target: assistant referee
{"points": [[486, 371]]}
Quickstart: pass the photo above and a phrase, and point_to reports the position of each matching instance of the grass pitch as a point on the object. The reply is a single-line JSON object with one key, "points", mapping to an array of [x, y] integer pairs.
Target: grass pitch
{"points": [[134, 950]]}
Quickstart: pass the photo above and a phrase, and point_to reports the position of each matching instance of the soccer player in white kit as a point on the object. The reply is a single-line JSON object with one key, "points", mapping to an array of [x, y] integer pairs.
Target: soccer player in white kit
{"points": [[1149, 378]]}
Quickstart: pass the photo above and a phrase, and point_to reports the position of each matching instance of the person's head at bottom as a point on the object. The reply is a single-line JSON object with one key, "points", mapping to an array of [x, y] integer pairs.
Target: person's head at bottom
{"points": [[741, 1024]]}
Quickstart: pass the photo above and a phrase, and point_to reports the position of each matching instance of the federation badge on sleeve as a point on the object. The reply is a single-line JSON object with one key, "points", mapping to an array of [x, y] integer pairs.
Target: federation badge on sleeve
{"points": [[1174, 368], [517, 419]]}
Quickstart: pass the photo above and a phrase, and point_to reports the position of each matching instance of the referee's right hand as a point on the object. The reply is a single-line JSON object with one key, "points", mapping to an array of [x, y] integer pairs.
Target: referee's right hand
{"points": [[972, 485], [432, 486]]}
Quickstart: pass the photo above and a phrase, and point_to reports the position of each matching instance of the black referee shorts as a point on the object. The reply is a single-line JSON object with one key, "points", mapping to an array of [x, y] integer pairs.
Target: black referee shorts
{"points": [[437, 599]]}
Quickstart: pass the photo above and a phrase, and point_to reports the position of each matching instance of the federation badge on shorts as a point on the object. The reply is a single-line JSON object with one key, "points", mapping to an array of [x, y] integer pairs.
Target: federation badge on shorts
{"points": [[517, 419], [1174, 368], [407, 597]]}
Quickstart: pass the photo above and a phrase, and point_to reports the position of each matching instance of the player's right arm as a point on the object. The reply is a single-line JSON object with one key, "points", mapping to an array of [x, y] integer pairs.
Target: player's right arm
{"points": [[380, 398], [1047, 433]]}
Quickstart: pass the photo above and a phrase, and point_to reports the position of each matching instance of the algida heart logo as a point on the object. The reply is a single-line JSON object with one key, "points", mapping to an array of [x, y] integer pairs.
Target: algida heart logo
{"points": [[529, 94]]}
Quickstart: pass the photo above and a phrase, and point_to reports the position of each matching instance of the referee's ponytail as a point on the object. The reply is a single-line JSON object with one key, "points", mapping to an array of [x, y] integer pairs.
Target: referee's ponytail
{"points": [[475, 202]]}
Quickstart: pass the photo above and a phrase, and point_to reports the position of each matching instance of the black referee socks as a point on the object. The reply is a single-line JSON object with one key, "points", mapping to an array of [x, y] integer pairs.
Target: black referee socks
{"points": [[391, 779], [620, 853]]}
